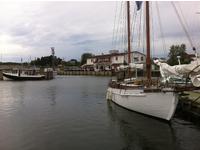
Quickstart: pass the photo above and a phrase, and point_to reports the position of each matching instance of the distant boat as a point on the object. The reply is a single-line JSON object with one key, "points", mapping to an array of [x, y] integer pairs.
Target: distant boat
{"points": [[21, 76]]}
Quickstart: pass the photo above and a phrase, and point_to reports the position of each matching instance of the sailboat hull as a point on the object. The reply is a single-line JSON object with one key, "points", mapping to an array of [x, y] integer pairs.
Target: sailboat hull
{"points": [[157, 104]]}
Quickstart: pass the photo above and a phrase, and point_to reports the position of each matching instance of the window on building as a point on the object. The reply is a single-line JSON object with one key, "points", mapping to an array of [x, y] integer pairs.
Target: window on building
{"points": [[136, 59], [142, 58], [116, 58]]}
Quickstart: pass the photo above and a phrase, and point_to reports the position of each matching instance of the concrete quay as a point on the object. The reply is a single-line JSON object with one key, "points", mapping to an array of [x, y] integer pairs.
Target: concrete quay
{"points": [[87, 73]]}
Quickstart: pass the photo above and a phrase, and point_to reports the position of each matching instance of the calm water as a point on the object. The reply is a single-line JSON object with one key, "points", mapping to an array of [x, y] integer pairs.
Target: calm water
{"points": [[71, 113]]}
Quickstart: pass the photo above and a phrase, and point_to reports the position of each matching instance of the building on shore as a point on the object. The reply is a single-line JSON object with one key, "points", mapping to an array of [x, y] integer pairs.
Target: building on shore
{"points": [[108, 62]]}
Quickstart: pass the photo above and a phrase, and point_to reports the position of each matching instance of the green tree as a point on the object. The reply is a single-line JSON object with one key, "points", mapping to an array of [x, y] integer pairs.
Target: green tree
{"points": [[72, 62], [46, 61], [84, 57], [178, 50]]}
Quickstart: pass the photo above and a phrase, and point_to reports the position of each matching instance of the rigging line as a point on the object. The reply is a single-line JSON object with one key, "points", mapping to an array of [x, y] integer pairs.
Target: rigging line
{"points": [[137, 31], [118, 21], [125, 32], [131, 20], [134, 28], [138, 35], [126, 28], [140, 30], [117, 30], [122, 28], [184, 19], [182, 24], [153, 33], [113, 35], [132, 16], [144, 29], [161, 29], [135, 40], [134, 23]]}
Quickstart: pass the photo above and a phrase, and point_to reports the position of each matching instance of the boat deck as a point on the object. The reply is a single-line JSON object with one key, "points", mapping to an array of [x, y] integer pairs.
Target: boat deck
{"points": [[153, 86]]}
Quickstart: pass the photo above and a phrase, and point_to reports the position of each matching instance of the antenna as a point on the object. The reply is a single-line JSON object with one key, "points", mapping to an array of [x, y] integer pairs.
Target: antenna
{"points": [[53, 53]]}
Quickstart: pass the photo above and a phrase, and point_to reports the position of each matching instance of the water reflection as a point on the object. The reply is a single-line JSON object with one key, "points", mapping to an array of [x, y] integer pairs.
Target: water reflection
{"points": [[51, 91], [141, 132], [21, 91]]}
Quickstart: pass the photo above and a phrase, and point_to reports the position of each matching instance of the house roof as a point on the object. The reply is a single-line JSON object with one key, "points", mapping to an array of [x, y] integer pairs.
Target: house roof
{"points": [[114, 54]]}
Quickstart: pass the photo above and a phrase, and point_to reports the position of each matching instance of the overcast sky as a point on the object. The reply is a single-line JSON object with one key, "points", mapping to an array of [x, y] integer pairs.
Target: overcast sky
{"points": [[29, 29]]}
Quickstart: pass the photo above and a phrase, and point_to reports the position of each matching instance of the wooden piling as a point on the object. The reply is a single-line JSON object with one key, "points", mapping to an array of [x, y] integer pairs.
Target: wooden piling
{"points": [[1, 75]]}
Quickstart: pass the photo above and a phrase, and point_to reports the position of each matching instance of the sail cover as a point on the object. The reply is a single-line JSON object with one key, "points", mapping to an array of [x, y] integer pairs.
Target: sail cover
{"points": [[192, 70]]}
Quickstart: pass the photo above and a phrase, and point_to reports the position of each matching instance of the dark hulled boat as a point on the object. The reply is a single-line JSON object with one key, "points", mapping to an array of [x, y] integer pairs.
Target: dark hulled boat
{"points": [[21, 77]]}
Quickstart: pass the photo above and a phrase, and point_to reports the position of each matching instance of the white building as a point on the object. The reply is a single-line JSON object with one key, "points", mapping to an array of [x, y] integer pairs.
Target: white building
{"points": [[112, 60]]}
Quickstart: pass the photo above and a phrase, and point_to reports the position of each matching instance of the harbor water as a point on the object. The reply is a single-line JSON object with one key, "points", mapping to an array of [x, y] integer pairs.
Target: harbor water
{"points": [[71, 113]]}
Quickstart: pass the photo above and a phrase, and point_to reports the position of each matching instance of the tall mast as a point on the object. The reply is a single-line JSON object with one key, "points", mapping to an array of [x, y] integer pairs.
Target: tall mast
{"points": [[129, 30], [148, 59]]}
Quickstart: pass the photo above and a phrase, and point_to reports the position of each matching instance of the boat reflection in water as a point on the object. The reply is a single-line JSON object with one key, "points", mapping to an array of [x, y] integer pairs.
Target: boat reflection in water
{"points": [[142, 132]]}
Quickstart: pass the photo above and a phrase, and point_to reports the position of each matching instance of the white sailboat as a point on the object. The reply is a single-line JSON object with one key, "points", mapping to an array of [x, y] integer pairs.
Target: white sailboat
{"points": [[160, 104], [155, 100]]}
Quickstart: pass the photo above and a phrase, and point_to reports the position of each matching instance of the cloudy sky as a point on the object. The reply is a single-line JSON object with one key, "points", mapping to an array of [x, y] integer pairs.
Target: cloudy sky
{"points": [[29, 29]]}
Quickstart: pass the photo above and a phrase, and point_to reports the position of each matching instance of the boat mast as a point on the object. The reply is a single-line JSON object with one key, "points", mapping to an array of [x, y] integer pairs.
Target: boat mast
{"points": [[148, 59], [129, 34]]}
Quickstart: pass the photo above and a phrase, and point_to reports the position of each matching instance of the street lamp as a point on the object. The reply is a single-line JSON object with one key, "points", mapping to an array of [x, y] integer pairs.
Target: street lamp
{"points": [[179, 62]]}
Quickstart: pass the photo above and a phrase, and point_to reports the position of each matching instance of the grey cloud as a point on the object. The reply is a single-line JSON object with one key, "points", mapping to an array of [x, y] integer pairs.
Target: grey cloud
{"points": [[84, 42], [76, 27]]}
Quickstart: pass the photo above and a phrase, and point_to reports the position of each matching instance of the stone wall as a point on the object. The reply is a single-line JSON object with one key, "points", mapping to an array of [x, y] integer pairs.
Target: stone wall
{"points": [[91, 73]]}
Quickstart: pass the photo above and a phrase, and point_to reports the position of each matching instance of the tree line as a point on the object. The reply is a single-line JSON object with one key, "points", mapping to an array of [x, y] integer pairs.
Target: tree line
{"points": [[178, 50], [46, 61], [174, 51]]}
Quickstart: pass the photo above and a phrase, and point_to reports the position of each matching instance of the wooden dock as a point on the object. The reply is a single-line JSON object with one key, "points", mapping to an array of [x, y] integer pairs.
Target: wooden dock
{"points": [[190, 104]]}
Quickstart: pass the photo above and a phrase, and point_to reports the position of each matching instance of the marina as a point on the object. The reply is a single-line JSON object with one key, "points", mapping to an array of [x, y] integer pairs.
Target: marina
{"points": [[120, 76]]}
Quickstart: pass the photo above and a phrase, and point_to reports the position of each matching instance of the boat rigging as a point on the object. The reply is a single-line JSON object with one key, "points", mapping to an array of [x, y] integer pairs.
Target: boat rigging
{"points": [[147, 95]]}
